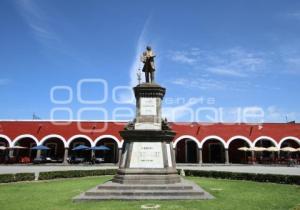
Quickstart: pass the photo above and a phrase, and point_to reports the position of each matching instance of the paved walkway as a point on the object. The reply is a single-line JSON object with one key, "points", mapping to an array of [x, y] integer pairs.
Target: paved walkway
{"points": [[234, 168], [246, 169], [6, 169]]}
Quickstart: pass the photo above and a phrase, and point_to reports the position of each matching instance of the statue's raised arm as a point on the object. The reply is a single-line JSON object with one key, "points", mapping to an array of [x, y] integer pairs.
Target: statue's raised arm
{"points": [[148, 59]]}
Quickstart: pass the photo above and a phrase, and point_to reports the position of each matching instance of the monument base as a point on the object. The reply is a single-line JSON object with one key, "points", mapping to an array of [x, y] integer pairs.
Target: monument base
{"points": [[184, 190], [147, 166], [146, 176]]}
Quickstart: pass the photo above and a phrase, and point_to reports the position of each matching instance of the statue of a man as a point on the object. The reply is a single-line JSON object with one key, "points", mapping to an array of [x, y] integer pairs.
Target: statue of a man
{"points": [[148, 59]]}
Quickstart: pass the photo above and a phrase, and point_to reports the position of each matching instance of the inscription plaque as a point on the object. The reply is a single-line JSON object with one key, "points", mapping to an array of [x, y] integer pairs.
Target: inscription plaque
{"points": [[147, 155], [148, 106]]}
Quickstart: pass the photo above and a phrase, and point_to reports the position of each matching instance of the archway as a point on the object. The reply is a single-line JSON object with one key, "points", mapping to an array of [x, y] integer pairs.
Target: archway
{"points": [[213, 151], [76, 141], [110, 156], [25, 155], [3, 153], [235, 155], [289, 142], [187, 151], [57, 148], [265, 157]]}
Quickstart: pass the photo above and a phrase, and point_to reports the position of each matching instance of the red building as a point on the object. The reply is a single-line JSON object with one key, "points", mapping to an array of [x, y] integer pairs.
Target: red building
{"points": [[194, 142]]}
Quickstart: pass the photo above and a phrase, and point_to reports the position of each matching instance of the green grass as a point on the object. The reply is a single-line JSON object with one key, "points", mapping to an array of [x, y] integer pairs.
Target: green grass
{"points": [[230, 194]]}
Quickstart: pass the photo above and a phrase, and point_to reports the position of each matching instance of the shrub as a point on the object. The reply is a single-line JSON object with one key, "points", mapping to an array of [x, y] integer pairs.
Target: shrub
{"points": [[275, 178], [24, 177], [5, 178], [74, 173]]}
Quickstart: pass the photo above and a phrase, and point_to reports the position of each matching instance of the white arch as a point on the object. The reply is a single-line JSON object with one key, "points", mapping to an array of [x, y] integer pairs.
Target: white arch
{"points": [[212, 137], [288, 138], [186, 137], [265, 138], [119, 143], [79, 136], [54, 136], [25, 136], [7, 139], [238, 137]]}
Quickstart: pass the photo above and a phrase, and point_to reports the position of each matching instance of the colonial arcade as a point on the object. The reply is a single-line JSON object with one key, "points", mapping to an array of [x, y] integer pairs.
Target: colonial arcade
{"points": [[194, 142]]}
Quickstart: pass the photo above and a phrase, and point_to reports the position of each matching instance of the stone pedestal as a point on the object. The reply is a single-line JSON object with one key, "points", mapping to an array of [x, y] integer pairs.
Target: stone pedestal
{"points": [[147, 167], [147, 157]]}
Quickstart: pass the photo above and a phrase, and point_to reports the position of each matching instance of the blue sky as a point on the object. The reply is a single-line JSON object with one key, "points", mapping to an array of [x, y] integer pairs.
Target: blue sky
{"points": [[221, 57]]}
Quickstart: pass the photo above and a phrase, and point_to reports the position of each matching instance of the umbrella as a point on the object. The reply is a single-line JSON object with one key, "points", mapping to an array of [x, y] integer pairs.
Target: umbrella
{"points": [[80, 147], [17, 147], [272, 149], [97, 148], [288, 149], [258, 149], [245, 149], [40, 147], [3, 148]]}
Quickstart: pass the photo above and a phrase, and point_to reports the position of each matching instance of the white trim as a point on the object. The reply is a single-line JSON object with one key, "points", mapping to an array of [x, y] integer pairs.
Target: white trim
{"points": [[7, 139], [212, 138], [119, 143], [288, 138], [25, 136], [79, 136], [265, 138], [236, 138], [186, 137], [45, 138]]}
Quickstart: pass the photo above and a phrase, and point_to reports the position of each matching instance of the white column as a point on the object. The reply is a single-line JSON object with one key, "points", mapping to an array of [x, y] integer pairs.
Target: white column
{"points": [[253, 157], [38, 154], [226, 156], [200, 156], [11, 153], [66, 156]]}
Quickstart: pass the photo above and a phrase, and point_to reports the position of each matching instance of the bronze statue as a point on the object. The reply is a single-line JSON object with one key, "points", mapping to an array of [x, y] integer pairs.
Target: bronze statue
{"points": [[148, 59]]}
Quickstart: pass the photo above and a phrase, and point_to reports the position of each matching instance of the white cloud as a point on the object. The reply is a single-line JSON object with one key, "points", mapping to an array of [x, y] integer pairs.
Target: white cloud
{"points": [[276, 114], [199, 83], [126, 97], [183, 57], [293, 64], [140, 47], [234, 62], [37, 21], [178, 113], [294, 14], [226, 72], [4, 81]]}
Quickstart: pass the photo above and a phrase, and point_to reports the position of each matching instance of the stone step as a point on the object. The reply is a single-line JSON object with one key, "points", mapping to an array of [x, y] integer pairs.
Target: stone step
{"points": [[152, 197], [145, 187], [142, 193], [185, 190], [147, 180]]}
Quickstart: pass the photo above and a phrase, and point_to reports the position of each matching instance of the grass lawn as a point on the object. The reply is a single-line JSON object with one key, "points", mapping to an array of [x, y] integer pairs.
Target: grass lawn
{"points": [[230, 194]]}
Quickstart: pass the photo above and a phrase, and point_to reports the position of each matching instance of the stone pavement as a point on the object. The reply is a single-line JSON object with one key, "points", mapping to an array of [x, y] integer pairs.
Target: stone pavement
{"points": [[262, 169], [4, 169]]}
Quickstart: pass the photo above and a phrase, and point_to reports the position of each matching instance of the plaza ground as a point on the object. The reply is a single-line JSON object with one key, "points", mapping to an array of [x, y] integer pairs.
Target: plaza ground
{"points": [[229, 194], [4, 169]]}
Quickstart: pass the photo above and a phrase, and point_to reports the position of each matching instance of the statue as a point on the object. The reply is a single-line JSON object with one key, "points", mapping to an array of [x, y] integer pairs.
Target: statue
{"points": [[148, 59]]}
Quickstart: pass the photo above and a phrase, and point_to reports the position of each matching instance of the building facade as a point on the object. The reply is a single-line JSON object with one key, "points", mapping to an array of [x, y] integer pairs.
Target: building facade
{"points": [[194, 142]]}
